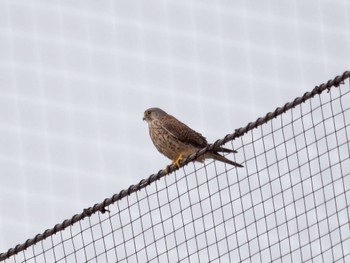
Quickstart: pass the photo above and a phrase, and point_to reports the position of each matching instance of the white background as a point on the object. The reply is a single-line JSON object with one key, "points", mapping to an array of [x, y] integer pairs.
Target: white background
{"points": [[76, 76]]}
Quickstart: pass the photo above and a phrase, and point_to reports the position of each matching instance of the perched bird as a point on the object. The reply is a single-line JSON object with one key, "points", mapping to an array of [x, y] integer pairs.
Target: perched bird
{"points": [[177, 141]]}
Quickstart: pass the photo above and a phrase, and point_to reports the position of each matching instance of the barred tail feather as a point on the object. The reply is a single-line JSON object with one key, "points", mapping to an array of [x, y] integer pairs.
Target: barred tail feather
{"points": [[221, 158], [225, 150]]}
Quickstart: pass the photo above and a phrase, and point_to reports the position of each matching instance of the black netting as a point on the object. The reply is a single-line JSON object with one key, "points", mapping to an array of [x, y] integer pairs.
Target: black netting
{"points": [[290, 202]]}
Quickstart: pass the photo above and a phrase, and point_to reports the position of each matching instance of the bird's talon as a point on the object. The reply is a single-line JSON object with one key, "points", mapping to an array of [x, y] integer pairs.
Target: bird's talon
{"points": [[178, 160]]}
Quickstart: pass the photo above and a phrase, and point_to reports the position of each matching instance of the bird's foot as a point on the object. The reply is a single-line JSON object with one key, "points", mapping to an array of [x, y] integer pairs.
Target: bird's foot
{"points": [[178, 160]]}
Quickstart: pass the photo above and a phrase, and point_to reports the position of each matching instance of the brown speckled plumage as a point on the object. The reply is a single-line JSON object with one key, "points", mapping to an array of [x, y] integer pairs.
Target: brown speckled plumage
{"points": [[176, 140]]}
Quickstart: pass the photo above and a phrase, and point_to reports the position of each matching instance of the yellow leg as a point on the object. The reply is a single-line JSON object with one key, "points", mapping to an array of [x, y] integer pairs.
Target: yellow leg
{"points": [[178, 160]]}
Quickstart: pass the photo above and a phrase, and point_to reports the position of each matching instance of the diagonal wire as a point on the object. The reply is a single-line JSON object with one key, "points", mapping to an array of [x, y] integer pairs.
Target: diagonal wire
{"points": [[102, 207]]}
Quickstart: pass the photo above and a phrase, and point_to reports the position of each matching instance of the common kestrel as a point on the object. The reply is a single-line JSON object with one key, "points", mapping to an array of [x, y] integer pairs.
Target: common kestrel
{"points": [[177, 141]]}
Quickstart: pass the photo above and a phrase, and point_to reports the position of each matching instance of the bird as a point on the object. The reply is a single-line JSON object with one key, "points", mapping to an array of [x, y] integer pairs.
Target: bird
{"points": [[177, 141]]}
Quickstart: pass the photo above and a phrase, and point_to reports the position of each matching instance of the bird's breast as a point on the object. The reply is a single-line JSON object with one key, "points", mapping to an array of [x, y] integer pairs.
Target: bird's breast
{"points": [[169, 145]]}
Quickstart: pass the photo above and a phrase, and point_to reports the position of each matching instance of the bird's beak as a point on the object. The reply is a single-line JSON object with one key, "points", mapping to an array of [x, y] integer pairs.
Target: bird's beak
{"points": [[143, 118]]}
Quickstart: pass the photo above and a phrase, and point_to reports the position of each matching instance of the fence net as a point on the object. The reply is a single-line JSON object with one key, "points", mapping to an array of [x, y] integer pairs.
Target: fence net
{"points": [[290, 202]]}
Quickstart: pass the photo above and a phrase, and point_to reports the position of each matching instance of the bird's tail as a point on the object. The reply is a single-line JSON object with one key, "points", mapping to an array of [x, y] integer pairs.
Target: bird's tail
{"points": [[225, 150], [221, 158]]}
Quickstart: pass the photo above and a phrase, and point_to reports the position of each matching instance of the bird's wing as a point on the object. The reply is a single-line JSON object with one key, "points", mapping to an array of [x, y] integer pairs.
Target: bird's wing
{"points": [[182, 132]]}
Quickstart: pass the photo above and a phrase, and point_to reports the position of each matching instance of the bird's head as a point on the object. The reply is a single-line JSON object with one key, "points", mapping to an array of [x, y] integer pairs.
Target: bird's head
{"points": [[153, 114]]}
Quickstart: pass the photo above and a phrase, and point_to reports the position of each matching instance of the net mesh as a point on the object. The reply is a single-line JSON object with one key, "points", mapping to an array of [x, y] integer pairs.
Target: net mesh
{"points": [[290, 202]]}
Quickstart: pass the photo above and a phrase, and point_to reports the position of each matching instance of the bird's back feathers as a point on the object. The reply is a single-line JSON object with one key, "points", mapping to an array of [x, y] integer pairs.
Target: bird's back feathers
{"points": [[182, 132]]}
